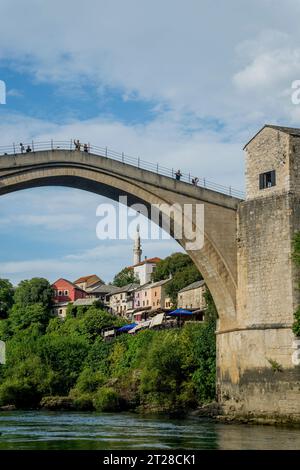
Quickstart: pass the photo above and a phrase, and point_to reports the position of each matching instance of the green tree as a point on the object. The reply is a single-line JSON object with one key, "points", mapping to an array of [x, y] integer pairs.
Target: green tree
{"points": [[124, 277], [34, 291], [21, 317], [6, 297], [94, 320], [65, 355], [171, 265]]}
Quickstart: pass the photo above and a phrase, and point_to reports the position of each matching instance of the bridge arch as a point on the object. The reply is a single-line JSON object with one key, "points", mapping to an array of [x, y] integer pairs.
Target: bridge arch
{"points": [[216, 260]]}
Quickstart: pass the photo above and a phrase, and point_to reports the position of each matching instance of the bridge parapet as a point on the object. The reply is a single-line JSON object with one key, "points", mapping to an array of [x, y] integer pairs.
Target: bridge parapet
{"points": [[121, 157]]}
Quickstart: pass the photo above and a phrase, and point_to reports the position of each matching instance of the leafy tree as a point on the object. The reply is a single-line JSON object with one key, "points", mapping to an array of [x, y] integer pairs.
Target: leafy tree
{"points": [[124, 277], [21, 318], [34, 291], [171, 265], [6, 297], [65, 356], [94, 320]]}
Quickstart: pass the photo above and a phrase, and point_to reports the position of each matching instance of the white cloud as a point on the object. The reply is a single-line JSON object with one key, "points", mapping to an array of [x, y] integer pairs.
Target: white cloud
{"points": [[102, 260], [183, 54]]}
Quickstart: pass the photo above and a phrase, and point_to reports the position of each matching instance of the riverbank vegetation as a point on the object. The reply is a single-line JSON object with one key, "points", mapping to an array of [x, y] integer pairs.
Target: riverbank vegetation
{"points": [[67, 365]]}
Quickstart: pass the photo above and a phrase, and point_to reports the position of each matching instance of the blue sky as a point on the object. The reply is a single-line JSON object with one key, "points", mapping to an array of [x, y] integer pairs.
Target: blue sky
{"points": [[182, 83]]}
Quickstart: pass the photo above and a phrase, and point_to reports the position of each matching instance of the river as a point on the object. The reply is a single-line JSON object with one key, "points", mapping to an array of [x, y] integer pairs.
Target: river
{"points": [[94, 431]]}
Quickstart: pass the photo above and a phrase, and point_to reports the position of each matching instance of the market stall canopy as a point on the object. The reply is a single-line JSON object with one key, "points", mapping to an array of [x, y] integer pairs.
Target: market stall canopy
{"points": [[125, 328], [143, 324], [157, 320], [180, 312]]}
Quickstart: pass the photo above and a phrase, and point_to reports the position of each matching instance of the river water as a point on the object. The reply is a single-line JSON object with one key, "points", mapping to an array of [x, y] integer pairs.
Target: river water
{"points": [[108, 431]]}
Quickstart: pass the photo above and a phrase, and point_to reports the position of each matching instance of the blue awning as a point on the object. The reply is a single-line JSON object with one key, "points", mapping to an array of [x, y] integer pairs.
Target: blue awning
{"points": [[127, 327], [180, 312]]}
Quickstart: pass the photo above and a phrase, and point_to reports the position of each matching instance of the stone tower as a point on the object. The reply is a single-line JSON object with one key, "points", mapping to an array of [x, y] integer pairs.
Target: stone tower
{"points": [[137, 250], [257, 372]]}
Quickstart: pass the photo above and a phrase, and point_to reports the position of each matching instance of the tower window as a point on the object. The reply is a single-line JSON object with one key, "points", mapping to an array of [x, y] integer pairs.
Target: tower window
{"points": [[267, 180]]}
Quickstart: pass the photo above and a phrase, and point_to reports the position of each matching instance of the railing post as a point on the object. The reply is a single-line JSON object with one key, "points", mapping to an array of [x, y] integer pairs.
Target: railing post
{"points": [[71, 145], [122, 157], [172, 172], [229, 190], [157, 168], [138, 162], [106, 152], [52, 145], [14, 148], [32, 143], [189, 177], [204, 183]]}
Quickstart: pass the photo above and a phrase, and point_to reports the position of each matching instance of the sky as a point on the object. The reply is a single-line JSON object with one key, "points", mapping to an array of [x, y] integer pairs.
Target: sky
{"points": [[182, 83]]}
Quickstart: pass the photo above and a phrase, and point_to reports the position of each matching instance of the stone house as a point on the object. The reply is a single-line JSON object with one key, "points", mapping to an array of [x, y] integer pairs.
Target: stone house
{"points": [[192, 297], [122, 300]]}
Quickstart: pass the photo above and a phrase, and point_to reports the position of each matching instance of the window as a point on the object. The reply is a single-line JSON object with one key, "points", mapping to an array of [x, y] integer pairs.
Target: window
{"points": [[146, 294], [66, 292], [59, 292], [158, 302], [60, 311], [155, 294], [147, 302], [143, 303], [153, 304], [267, 180]]}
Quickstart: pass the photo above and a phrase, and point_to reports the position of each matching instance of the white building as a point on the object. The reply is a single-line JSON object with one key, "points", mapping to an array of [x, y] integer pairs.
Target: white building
{"points": [[143, 271]]}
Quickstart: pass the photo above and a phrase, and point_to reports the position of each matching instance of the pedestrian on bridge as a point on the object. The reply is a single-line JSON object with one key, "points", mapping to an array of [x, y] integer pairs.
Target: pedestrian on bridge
{"points": [[178, 175], [77, 145], [195, 181], [22, 148], [28, 150], [86, 148]]}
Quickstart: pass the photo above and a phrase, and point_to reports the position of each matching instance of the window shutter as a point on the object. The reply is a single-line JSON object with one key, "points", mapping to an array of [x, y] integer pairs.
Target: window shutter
{"points": [[261, 181], [273, 178]]}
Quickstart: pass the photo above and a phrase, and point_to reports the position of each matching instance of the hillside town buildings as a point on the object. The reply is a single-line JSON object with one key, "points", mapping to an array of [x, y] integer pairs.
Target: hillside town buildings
{"points": [[138, 301]]}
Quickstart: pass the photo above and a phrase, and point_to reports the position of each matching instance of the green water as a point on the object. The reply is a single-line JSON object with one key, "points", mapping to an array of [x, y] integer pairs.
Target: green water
{"points": [[93, 431]]}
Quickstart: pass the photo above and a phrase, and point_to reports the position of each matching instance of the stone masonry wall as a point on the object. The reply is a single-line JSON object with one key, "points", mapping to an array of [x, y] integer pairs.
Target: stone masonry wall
{"points": [[268, 151], [265, 288]]}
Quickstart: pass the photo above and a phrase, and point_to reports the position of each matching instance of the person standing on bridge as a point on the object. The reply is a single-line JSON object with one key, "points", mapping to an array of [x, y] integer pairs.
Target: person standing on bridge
{"points": [[86, 148], [22, 148], [28, 150], [195, 181], [77, 145], [178, 175]]}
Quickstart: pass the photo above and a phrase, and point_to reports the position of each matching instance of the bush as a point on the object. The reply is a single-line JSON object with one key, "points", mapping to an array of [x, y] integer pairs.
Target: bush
{"points": [[20, 392], [107, 399]]}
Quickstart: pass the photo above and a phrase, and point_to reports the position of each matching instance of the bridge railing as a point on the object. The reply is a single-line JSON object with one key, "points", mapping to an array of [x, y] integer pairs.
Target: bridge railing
{"points": [[33, 146]]}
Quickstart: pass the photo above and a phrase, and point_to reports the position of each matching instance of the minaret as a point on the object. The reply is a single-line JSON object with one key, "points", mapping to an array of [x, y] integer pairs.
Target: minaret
{"points": [[137, 250]]}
